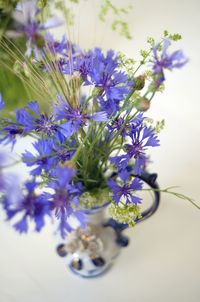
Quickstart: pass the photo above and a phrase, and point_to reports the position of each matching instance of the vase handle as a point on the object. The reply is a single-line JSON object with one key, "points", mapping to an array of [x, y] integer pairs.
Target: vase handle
{"points": [[149, 179]]}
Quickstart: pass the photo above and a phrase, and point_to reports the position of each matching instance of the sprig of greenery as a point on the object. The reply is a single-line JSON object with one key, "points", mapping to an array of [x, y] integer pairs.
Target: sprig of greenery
{"points": [[129, 213], [95, 197], [66, 11], [174, 37], [118, 23], [176, 194], [125, 213], [157, 126]]}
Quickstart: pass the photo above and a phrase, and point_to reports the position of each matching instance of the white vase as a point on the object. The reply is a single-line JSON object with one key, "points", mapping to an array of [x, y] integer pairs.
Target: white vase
{"points": [[91, 251]]}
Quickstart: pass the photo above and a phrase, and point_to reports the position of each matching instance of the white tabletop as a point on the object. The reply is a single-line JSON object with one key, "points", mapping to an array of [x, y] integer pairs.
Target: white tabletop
{"points": [[162, 262]]}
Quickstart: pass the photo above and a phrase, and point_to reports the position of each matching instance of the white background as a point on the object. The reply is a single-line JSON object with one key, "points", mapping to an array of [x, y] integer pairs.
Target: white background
{"points": [[162, 262]]}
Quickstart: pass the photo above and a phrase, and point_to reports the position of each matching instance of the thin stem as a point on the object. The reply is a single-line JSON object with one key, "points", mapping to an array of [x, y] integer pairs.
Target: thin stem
{"points": [[179, 195]]}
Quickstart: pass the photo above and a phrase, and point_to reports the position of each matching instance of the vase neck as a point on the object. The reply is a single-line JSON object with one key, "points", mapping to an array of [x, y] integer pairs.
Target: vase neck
{"points": [[96, 217]]}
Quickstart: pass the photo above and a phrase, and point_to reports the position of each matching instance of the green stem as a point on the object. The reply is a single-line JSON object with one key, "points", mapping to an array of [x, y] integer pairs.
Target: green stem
{"points": [[179, 195], [74, 158]]}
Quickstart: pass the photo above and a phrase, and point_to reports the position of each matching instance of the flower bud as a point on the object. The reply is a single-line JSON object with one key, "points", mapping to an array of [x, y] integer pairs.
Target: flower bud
{"points": [[39, 40], [143, 104], [139, 82]]}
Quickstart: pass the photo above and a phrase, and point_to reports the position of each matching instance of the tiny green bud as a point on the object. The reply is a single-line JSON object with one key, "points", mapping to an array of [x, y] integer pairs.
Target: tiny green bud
{"points": [[150, 40], [166, 33], [39, 40], [142, 104], [139, 82], [144, 53], [175, 37]]}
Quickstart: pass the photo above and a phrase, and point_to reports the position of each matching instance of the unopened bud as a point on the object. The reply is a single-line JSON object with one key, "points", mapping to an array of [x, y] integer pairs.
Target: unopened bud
{"points": [[143, 104], [39, 40], [139, 82]]}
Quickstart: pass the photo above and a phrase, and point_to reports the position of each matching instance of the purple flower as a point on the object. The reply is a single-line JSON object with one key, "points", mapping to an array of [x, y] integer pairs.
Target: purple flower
{"points": [[2, 104], [105, 75], [43, 160], [10, 130], [10, 134], [98, 117], [63, 152], [102, 72], [71, 56], [110, 106], [75, 117], [28, 206], [166, 60], [119, 125], [55, 46], [84, 65], [141, 138], [30, 27], [65, 198], [31, 118], [125, 189]]}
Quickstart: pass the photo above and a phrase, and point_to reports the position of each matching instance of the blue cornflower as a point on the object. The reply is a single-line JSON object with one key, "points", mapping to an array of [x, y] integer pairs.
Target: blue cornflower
{"points": [[75, 117], [166, 60], [31, 119], [142, 137], [30, 27], [125, 189], [43, 160], [63, 152], [65, 198], [110, 106], [71, 57], [2, 104], [10, 134], [29, 206], [10, 131], [55, 46], [84, 65], [124, 128], [79, 61], [105, 75], [118, 124]]}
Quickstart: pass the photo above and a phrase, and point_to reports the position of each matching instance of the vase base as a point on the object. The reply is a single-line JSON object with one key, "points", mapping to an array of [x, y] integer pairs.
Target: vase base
{"points": [[92, 274]]}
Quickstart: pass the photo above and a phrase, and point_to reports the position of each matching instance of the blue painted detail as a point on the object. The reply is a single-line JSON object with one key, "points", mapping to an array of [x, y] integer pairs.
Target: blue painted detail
{"points": [[152, 178], [117, 226], [76, 264], [61, 250], [99, 261], [122, 241], [92, 273]]}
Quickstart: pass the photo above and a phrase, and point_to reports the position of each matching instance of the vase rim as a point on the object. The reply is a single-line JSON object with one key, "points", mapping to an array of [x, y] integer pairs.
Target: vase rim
{"points": [[95, 209]]}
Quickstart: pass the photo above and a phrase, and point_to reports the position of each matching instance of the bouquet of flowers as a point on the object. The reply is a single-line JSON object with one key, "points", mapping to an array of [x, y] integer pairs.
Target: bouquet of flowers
{"points": [[90, 145]]}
